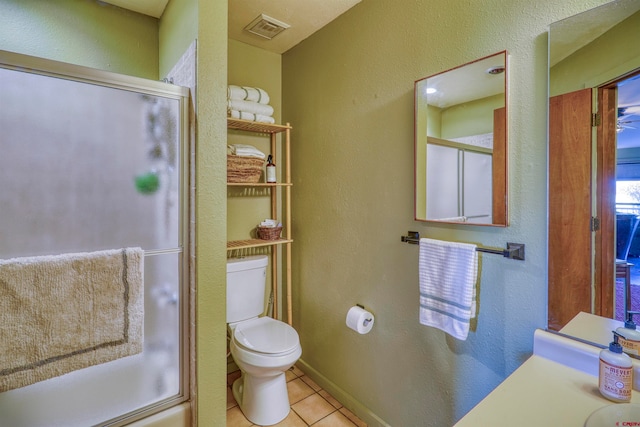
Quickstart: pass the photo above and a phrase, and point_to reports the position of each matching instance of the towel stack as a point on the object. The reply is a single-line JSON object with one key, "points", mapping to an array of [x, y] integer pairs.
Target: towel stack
{"points": [[249, 103], [243, 150]]}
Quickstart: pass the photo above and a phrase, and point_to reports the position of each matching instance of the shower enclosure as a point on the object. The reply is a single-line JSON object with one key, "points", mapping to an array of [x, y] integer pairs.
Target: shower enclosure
{"points": [[91, 160]]}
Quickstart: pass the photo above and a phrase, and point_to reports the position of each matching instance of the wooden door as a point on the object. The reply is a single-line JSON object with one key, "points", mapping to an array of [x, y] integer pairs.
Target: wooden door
{"points": [[570, 249], [499, 168], [605, 250]]}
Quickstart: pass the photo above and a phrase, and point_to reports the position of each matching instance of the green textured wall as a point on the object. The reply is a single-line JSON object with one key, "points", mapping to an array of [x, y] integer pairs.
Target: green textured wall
{"points": [[606, 58], [348, 92], [82, 32], [182, 21], [94, 34], [211, 215], [254, 67], [470, 118], [178, 28]]}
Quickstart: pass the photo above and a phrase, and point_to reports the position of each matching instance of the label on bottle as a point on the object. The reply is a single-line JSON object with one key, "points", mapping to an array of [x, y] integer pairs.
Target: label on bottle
{"points": [[614, 381], [629, 346], [271, 174]]}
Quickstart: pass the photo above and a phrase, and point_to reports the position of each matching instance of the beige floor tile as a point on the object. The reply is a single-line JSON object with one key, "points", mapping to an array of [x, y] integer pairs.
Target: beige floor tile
{"points": [[313, 408], [235, 418], [336, 419], [231, 401], [354, 419], [298, 390], [308, 381], [311, 405], [297, 371], [330, 399], [292, 420], [290, 376], [232, 377]]}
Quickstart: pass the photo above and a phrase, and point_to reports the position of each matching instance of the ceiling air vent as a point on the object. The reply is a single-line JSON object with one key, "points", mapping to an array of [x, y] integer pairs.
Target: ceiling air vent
{"points": [[266, 26]]}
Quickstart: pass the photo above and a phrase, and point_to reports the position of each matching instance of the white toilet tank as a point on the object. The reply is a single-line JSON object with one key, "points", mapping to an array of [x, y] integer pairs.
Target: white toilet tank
{"points": [[246, 287]]}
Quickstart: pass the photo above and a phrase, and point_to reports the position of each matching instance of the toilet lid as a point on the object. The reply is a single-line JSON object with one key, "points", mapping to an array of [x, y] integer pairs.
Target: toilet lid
{"points": [[266, 335]]}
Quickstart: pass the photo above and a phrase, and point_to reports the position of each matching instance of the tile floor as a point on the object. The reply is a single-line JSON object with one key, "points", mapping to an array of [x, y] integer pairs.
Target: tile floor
{"points": [[310, 405]]}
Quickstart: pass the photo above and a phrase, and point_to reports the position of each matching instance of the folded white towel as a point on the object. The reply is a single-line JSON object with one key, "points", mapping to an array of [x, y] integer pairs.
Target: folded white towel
{"points": [[264, 119], [250, 107], [243, 115], [270, 223], [448, 273], [246, 151], [246, 93]]}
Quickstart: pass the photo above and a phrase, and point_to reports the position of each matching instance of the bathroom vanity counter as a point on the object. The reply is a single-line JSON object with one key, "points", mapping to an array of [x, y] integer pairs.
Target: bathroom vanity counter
{"points": [[592, 328], [558, 384], [540, 393]]}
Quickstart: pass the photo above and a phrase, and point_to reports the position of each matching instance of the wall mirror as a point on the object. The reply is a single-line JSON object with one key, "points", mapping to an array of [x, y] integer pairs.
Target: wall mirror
{"points": [[594, 150], [460, 146]]}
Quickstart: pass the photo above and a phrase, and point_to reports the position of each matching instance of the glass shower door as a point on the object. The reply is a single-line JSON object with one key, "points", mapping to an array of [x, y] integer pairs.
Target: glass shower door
{"points": [[91, 161]]}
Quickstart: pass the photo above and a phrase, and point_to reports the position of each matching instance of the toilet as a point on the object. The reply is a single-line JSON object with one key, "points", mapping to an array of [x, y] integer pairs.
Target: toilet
{"points": [[262, 347]]}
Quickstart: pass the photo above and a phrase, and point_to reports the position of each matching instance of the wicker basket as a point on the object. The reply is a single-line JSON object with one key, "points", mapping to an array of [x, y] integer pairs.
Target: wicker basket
{"points": [[244, 169], [269, 233]]}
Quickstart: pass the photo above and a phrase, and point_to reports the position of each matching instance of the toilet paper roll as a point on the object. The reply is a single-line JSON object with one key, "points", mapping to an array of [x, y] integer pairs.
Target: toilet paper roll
{"points": [[360, 320]]}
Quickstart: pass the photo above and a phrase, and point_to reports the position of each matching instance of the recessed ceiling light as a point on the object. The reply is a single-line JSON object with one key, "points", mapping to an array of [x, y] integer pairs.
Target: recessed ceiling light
{"points": [[496, 70]]}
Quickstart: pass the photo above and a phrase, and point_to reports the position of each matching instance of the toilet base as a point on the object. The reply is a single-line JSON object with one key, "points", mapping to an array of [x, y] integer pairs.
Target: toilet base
{"points": [[263, 400]]}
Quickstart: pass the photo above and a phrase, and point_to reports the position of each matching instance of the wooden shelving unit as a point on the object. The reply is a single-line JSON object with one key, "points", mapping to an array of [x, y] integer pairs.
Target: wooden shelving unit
{"points": [[272, 130]]}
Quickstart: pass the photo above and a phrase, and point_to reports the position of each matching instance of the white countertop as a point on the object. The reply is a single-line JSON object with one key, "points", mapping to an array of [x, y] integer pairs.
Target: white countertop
{"points": [[557, 385], [590, 327], [540, 393]]}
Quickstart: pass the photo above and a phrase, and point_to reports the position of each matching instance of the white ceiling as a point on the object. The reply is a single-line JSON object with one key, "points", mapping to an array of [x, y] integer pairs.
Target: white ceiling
{"points": [[569, 35], [304, 17], [146, 7], [467, 83]]}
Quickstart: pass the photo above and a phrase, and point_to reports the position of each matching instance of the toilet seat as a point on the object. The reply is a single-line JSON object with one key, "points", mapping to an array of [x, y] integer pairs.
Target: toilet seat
{"points": [[266, 336]]}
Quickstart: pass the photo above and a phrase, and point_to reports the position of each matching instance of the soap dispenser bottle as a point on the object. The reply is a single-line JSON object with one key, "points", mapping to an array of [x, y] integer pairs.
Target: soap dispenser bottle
{"points": [[630, 336], [271, 169], [615, 379]]}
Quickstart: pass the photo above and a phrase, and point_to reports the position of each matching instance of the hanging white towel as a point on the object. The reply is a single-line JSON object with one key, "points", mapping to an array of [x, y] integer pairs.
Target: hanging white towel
{"points": [[448, 273]]}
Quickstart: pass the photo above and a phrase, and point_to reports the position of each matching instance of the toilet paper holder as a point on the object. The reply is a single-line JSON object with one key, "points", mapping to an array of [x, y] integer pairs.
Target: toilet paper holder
{"points": [[366, 321]]}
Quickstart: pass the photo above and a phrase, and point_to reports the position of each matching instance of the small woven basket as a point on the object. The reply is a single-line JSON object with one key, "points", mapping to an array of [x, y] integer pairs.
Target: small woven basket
{"points": [[245, 170], [269, 233]]}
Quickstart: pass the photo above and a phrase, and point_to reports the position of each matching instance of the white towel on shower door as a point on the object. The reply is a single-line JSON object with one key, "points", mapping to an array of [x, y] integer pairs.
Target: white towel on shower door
{"points": [[448, 274]]}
